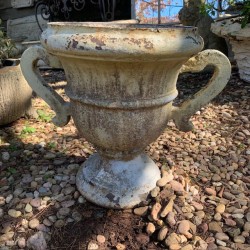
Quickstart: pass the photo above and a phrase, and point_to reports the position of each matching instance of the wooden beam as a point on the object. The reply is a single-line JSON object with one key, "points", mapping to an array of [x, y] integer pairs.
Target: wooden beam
{"points": [[4, 4], [12, 13]]}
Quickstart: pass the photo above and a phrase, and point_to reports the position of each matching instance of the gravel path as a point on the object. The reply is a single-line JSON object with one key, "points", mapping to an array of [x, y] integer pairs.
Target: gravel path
{"points": [[201, 202]]}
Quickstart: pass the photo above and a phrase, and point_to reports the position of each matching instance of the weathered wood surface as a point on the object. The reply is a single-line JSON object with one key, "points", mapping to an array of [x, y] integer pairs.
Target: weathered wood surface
{"points": [[11, 13], [5, 4], [22, 3], [25, 29]]}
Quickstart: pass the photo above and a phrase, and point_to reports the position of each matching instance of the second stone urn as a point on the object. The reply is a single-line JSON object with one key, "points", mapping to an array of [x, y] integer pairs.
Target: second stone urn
{"points": [[121, 81]]}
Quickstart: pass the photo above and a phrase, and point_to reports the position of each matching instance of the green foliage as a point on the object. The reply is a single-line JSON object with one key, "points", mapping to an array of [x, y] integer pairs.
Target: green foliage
{"points": [[43, 116], [245, 13], [52, 145], [6, 46], [211, 8], [28, 130], [11, 170]]}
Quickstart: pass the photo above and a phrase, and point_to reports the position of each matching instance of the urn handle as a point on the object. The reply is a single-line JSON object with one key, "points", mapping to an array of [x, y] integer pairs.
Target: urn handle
{"points": [[222, 73], [30, 71]]}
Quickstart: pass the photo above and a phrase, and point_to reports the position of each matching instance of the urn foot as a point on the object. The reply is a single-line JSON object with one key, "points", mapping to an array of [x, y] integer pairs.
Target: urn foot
{"points": [[117, 184]]}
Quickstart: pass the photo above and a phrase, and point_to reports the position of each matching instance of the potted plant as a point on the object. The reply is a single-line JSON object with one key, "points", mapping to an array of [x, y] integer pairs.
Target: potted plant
{"points": [[234, 25], [15, 93]]}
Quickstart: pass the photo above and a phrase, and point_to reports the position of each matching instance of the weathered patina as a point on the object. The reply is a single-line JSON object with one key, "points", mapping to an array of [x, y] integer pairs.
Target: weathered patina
{"points": [[121, 84]]}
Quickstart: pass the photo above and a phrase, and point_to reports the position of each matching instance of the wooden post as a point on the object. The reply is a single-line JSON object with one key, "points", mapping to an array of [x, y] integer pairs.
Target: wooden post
{"points": [[133, 12], [159, 11]]}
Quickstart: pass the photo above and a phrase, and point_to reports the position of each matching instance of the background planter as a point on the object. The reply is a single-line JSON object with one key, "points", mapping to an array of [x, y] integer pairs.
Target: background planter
{"points": [[239, 38], [15, 94]]}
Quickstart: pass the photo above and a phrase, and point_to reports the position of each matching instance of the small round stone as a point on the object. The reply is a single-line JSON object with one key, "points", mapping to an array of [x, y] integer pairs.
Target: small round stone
{"points": [[217, 216], [239, 239], [92, 246], [21, 242], [100, 239], [47, 222], [1, 212], [33, 223], [246, 226], [28, 208], [141, 211], [59, 223], [220, 208], [150, 229], [14, 213]]}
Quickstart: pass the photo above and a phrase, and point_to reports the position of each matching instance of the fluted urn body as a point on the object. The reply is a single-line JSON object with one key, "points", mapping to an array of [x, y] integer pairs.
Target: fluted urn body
{"points": [[121, 81]]}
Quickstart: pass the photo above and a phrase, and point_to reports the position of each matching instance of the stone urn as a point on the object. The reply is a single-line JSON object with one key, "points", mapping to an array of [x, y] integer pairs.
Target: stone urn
{"points": [[239, 38], [121, 81], [15, 95]]}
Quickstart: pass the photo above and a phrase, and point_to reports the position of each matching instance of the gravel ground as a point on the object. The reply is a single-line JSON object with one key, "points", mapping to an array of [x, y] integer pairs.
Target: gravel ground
{"points": [[201, 202]]}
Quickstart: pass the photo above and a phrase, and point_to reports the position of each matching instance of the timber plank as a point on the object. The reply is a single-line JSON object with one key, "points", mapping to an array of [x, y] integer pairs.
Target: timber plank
{"points": [[5, 4], [12, 13], [25, 28]]}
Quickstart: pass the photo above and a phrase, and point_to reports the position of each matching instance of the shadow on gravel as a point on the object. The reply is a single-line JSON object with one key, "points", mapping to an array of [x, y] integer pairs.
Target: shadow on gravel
{"points": [[27, 165]]}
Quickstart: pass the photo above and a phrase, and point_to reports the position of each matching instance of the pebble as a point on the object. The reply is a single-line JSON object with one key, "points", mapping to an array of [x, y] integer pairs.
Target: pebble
{"points": [[64, 211], [221, 243], [81, 200], [49, 156], [162, 233], [222, 236], [171, 218], [76, 216], [237, 216], [176, 186], [168, 208], [166, 178], [14, 213], [37, 241], [59, 223], [246, 226], [68, 203], [35, 202], [200, 214], [220, 208], [28, 208], [9, 198], [239, 239], [21, 242], [197, 206], [230, 222], [47, 222], [215, 227], [100, 239], [141, 211], [184, 228], [154, 192], [1, 212], [92, 246], [33, 223], [150, 229], [120, 246], [2, 200], [172, 239], [228, 196], [5, 156], [210, 191], [155, 211], [217, 217], [187, 247]]}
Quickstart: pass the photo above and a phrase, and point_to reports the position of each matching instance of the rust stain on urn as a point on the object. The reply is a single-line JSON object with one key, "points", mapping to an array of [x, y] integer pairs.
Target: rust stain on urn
{"points": [[148, 44], [74, 43], [97, 41], [140, 42]]}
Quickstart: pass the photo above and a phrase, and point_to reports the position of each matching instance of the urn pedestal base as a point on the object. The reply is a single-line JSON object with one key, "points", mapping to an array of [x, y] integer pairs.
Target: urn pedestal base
{"points": [[117, 184]]}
